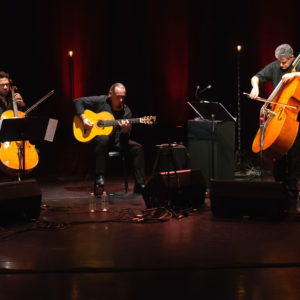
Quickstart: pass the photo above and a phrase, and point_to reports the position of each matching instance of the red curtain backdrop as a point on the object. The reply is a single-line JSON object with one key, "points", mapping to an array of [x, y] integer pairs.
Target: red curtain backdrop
{"points": [[78, 28], [169, 31]]}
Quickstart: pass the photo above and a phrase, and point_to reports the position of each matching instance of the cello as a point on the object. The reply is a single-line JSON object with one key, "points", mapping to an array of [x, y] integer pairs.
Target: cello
{"points": [[278, 124], [17, 156]]}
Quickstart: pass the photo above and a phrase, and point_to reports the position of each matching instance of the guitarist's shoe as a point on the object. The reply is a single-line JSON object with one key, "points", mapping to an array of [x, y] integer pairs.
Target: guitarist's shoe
{"points": [[99, 185]]}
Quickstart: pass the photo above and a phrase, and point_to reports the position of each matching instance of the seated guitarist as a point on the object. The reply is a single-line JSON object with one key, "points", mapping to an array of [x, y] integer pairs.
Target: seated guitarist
{"points": [[120, 137]]}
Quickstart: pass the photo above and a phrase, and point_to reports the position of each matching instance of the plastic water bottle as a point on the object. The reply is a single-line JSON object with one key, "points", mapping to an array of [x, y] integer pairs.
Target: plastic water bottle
{"points": [[92, 204], [104, 202]]}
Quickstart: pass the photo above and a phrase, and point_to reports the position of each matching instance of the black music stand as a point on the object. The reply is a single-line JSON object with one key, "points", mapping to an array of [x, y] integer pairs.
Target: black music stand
{"points": [[212, 112], [207, 110], [21, 129]]}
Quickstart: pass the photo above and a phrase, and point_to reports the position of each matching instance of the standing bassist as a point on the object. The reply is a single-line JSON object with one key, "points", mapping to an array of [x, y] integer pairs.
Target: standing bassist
{"points": [[287, 167]]}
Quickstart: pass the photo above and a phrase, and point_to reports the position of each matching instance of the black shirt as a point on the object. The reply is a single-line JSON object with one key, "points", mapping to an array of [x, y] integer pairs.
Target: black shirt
{"points": [[272, 72]]}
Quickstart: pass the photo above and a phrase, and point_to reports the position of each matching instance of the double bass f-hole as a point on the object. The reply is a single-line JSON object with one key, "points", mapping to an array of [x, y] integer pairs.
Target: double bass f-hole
{"points": [[279, 117]]}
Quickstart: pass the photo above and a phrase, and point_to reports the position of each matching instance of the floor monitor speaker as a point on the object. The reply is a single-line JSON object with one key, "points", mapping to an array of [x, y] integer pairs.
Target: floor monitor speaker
{"points": [[232, 198], [184, 188], [19, 200]]}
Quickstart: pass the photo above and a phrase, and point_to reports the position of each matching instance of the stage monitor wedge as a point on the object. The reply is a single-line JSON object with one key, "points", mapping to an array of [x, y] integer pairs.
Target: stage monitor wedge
{"points": [[19, 200], [183, 189], [259, 199]]}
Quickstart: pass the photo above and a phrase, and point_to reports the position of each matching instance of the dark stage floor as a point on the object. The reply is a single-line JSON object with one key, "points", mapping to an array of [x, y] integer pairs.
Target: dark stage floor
{"points": [[70, 253]]}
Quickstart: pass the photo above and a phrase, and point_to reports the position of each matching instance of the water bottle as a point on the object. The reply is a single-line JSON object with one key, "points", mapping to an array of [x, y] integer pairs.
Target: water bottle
{"points": [[92, 204], [104, 202]]}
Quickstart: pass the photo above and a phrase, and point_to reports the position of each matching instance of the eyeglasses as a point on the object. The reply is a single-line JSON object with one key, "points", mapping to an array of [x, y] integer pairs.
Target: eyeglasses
{"points": [[4, 84]]}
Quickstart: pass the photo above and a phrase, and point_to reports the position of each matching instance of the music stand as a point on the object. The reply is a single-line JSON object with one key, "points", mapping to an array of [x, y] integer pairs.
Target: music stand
{"points": [[213, 112], [21, 129], [207, 110]]}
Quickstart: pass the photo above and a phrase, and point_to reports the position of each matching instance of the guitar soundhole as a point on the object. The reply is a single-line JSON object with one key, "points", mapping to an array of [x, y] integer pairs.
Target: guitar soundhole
{"points": [[100, 124]]}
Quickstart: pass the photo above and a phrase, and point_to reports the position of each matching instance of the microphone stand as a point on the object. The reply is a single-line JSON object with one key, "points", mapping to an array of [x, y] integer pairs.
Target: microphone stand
{"points": [[173, 162], [212, 146]]}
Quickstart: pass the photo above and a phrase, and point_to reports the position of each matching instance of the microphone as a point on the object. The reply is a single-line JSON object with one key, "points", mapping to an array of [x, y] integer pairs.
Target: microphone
{"points": [[207, 88], [202, 91], [197, 90]]}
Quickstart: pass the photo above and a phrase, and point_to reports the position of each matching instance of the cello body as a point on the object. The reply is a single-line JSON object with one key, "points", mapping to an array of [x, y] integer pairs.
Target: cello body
{"points": [[282, 126], [11, 152]]}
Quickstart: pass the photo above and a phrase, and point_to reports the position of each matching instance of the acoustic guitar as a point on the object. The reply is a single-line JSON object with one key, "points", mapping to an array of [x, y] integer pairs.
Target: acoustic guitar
{"points": [[104, 123]]}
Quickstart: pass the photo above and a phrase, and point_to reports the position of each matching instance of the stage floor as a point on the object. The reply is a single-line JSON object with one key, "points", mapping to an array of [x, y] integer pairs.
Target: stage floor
{"points": [[130, 252]]}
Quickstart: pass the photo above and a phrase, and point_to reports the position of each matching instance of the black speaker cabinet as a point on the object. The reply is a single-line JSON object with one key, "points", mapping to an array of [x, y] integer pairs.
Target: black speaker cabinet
{"points": [[19, 200], [248, 198], [183, 189]]}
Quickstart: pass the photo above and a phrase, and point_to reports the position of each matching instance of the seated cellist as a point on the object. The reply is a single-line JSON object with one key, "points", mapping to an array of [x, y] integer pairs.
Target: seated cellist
{"points": [[5, 95], [286, 168]]}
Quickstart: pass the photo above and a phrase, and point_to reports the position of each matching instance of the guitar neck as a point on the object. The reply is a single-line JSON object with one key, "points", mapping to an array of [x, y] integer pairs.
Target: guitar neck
{"points": [[107, 123]]}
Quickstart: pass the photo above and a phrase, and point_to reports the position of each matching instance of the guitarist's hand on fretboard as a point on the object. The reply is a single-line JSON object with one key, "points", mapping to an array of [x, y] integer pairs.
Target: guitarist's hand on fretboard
{"points": [[125, 126]]}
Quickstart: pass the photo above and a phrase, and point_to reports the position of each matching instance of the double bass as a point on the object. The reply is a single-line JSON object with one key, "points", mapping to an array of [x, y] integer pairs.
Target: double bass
{"points": [[17, 156], [278, 118]]}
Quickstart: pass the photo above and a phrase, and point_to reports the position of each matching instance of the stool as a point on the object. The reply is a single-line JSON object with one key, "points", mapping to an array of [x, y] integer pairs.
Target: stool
{"points": [[115, 154], [118, 154]]}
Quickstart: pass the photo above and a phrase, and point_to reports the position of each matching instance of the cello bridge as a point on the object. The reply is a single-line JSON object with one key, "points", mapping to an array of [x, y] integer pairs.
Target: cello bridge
{"points": [[270, 113]]}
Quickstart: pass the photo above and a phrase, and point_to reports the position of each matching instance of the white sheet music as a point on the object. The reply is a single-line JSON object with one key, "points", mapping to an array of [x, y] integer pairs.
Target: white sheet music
{"points": [[51, 128]]}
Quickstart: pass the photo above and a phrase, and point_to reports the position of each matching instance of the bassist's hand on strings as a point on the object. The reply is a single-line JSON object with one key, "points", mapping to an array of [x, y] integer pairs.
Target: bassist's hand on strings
{"points": [[289, 76]]}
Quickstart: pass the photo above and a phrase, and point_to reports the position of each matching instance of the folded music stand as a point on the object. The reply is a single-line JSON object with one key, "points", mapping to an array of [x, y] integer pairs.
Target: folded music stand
{"points": [[30, 128]]}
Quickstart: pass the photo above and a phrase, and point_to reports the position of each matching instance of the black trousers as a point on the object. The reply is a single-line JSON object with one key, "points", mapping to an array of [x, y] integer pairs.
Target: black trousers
{"points": [[287, 168], [127, 146]]}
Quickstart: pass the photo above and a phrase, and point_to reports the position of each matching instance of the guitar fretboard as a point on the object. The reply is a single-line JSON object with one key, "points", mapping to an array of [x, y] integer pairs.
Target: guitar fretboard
{"points": [[108, 123]]}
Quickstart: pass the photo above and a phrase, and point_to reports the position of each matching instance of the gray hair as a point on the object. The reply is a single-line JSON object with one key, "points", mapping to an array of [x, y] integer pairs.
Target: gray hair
{"points": [[284, 51], [114, 86]]}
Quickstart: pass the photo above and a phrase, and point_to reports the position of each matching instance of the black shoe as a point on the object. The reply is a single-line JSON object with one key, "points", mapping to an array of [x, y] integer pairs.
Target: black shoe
{"points": [[139, 188], [99, 181]]}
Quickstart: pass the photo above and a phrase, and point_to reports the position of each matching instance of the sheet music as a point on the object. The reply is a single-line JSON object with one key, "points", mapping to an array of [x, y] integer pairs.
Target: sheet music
{"points": [[51, 128]]}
